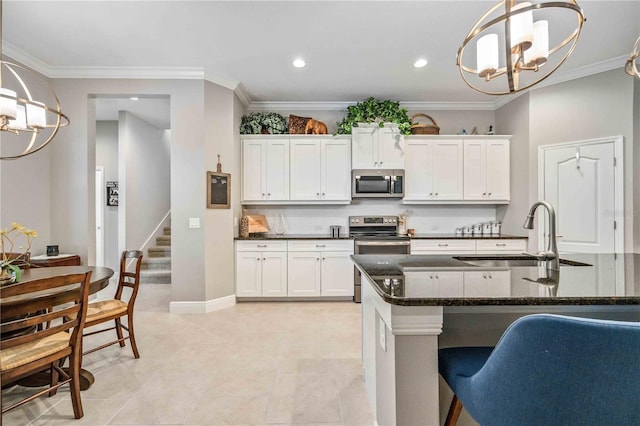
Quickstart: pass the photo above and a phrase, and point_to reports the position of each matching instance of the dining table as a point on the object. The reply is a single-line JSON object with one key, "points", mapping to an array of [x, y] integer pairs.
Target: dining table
{"points": [[10, 305]]}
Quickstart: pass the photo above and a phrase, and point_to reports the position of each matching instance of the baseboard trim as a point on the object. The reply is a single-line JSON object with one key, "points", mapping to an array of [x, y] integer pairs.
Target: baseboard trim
{"points": [[202, 307]]}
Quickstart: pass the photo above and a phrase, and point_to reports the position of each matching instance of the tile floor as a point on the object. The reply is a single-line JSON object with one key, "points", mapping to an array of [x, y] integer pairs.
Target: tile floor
{"points": [[253, 364]]}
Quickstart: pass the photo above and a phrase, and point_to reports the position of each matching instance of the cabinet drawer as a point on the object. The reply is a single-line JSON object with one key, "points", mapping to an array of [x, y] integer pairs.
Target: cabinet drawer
{"points": [[442, 246], [321, 245], [261, 245], [516, 246]]}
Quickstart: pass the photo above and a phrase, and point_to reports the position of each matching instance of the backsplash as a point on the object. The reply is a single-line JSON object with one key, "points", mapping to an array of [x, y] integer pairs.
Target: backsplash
{"points": [[432, 219]]}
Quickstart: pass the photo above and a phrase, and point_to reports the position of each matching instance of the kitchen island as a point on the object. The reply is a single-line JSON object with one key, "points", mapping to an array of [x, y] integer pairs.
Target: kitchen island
{"points": [[414, 304]]}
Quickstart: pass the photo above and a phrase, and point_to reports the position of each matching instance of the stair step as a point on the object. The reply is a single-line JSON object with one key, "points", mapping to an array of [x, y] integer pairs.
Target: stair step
{"points": [[163, 240], [155, 277], [163, 251], [155, 263], [166, 230]]}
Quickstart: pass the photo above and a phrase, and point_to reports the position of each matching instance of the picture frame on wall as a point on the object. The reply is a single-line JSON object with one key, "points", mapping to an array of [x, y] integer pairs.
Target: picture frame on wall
{"points": [[218, 190], [112, 194]]}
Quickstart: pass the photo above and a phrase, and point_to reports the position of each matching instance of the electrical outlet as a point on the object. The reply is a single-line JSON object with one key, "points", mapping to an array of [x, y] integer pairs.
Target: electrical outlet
{"points": [[383, 334]]}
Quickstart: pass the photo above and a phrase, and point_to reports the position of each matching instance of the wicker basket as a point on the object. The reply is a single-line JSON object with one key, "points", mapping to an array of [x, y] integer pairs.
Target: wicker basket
{"points": [[424, 129]]}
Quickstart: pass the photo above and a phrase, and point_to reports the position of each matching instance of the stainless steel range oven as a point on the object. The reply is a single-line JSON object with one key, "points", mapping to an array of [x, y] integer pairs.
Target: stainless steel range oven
{"points": [[375, 235]]}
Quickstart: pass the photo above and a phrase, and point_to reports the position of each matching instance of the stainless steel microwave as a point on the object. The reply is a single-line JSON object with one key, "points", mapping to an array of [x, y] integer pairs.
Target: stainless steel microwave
{"points": [[377, 183]]}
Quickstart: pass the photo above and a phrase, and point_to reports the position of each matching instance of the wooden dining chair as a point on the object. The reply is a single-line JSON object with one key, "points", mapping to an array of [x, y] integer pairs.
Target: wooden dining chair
{"points": [[27, 347], [116, 308]]}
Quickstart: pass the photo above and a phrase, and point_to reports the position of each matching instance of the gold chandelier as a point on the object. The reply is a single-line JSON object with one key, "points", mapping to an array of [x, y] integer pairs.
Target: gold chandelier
{"points": [[526, 47], [29, 124], [631, 67]]}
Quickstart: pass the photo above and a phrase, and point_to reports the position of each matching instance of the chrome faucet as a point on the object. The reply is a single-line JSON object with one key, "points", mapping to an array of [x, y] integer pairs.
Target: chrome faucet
{"points": [[550, 255]]}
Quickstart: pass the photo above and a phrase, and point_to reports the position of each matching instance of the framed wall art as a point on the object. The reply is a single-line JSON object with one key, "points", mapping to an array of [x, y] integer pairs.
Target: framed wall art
{"points": [[112, 194], [218, 190]]}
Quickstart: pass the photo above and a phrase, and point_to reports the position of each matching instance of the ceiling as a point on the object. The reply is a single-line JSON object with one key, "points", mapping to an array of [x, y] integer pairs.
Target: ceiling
{"points": [[153, 110], [353, 49]]}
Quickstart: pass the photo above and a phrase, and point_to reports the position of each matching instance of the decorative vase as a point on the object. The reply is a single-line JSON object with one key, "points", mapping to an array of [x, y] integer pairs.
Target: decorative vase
{"points": [[7, 276], [244, 224], [280, 226]]}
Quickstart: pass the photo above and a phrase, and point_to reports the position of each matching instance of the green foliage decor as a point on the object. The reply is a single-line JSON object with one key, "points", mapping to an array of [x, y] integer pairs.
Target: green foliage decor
{"points": [[374, 111], [272, 122]]}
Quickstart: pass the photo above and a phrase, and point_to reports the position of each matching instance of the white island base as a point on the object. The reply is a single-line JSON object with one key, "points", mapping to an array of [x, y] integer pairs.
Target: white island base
{"points": [[400, 350]]}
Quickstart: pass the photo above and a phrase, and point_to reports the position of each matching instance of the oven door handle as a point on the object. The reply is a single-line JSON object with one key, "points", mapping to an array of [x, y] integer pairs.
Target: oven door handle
{"points": [[383, 243]]}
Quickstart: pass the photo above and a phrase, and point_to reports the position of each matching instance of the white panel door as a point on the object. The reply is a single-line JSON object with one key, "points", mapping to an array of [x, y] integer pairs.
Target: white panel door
{"points": [[336, 274], [497, 169], [418, 174], [305, 170], [303, 274], [579, 183], [447, 165], [248, 274], [475, 187], [277, 169], [336, 170], [253, 163], [274, 274], [390, 148], [364, 148]]}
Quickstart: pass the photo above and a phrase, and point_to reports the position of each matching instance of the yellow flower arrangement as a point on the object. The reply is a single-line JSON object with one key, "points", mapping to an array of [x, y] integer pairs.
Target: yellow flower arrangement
{"points": [[8, 239]]}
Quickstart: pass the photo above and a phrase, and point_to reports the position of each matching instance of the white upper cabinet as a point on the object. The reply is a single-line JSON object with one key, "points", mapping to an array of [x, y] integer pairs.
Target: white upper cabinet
{"points": [[434, 170], [265, 166], [486, 170], [377, 148], [320, 170]]}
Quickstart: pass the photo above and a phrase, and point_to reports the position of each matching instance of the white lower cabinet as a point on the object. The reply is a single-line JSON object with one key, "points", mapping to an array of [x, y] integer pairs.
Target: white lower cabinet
{"points": [[325, 271], [304, 268], [487, 284]]}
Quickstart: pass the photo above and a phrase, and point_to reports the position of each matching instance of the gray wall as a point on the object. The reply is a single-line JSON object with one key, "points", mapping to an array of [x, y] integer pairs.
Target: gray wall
{"points": [[513, 119], [144, 179], [596, 106], [636, 164], [107, 156]]}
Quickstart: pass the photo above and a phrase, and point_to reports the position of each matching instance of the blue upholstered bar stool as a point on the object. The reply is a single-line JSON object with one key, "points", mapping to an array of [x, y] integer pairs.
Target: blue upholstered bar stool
{"points": [[549, 370]]}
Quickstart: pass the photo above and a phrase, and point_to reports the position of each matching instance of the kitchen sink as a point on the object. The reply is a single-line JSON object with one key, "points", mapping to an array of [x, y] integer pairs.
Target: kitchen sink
{"points": [[509, 261]]}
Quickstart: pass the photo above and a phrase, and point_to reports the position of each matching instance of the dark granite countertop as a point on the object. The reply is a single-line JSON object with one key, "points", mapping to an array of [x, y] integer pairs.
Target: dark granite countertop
{"points": [[467, 237], [292, 237], [410, 280]]}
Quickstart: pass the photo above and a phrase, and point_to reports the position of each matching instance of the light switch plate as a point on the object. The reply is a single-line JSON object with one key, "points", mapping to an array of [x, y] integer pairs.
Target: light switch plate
{"points": [[194, 222]]}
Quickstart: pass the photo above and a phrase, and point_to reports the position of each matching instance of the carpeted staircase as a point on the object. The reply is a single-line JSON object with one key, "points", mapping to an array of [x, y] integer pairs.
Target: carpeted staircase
{"points": [[156, 265]]}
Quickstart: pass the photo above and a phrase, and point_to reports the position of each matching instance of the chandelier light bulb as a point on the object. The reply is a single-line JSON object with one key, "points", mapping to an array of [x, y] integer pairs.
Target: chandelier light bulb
{"points": [[538, 53], [20, 123], [8, 103], [36, 115], [521, 28], [487, 54]]}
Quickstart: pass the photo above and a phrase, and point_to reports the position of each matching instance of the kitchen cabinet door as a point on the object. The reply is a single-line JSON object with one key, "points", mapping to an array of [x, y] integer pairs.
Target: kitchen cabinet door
{"points": [[305, 170], [364, 148], [253, 169], [335, 174], [248, 274], [486, 170], [487, 284], [390, 148], [274, 274], [475, 166], [277, 169], [418, 170], [303, 272], [497, 170], [448, 283], [447, 165], [336, 274]]}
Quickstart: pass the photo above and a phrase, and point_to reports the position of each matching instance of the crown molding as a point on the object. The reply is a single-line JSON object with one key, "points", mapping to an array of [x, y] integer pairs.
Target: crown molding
{"points": [[448, 106], [564, 76], [25, 59], [242, 95], [154, 73], [342, 105]]}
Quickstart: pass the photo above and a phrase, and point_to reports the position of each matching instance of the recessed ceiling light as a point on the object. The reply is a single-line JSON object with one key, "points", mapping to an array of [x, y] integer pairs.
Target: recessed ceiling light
{"points": [[134, 98], [420, 63], [299, 63]]}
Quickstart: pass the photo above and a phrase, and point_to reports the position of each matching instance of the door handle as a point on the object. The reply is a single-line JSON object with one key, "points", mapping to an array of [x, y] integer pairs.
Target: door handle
{"points": [[578, 158]]}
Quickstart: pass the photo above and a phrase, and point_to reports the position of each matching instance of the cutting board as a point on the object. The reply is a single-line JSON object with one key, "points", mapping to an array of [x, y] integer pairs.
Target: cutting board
{"points": [[258, 223]]}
